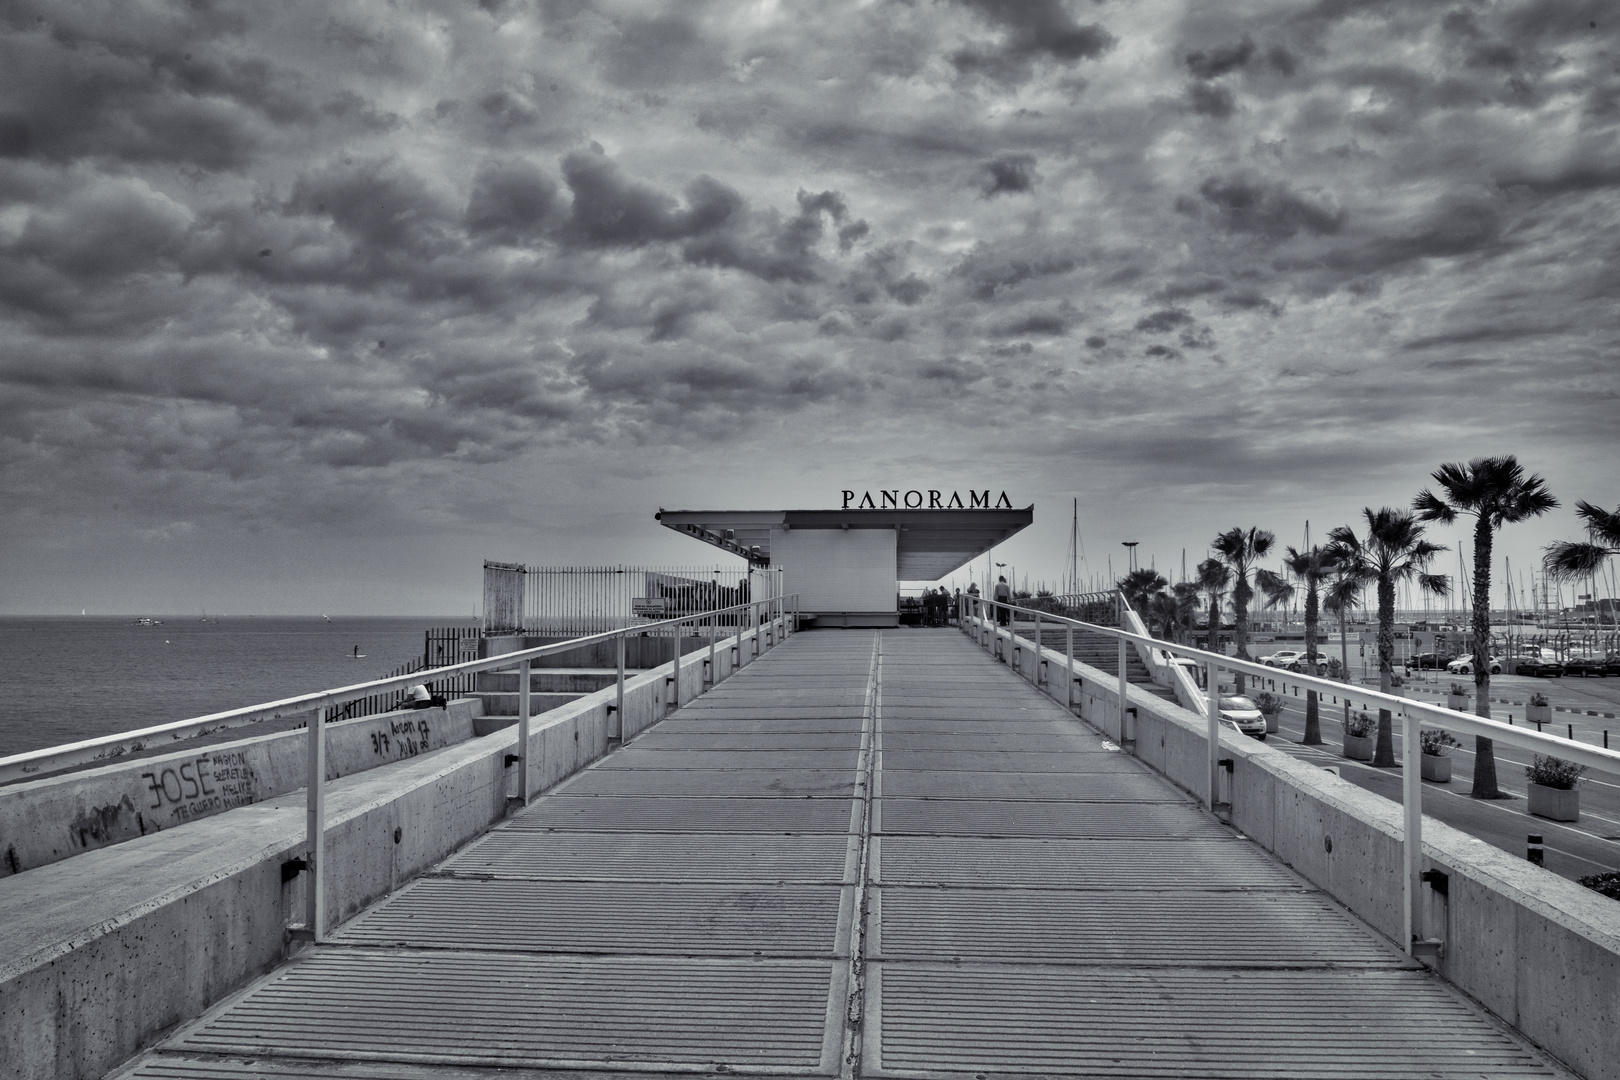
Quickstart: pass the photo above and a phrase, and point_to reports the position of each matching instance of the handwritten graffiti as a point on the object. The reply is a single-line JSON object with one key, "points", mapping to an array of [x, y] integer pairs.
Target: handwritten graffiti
{"points": [[404, 738], [202, 786]]}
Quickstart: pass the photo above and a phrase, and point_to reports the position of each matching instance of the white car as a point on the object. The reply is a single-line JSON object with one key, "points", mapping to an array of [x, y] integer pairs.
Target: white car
{"points": [[1282, 657], [1301, 663], [1464, 665], [1244, 715]]}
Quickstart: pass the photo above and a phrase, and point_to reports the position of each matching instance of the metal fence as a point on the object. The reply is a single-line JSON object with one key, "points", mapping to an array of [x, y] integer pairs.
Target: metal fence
{"points": [[441, 646], [572, 600]]}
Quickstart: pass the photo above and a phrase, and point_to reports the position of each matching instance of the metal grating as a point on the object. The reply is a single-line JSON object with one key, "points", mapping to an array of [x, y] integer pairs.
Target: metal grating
{"points": [[785, 782], [1181, 928], [716, 814], [665, 758], [1060, 863], [1354, 1025], [969, 741], [556, 1012], [589, 917], [667, 737], [548, 856], [1065, 762], [1126, 783], [987, 817]]}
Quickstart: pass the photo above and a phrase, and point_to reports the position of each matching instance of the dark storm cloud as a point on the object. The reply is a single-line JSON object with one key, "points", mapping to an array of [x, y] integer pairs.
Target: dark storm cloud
{"points": [[1213, 63], [1271, 210], [511, 201], [1031, 30], [611, 210], [1008, 173], [1164, 320]]}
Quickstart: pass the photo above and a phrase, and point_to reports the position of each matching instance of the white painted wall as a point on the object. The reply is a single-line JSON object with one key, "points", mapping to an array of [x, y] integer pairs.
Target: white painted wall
{"points": [[852, 570]]}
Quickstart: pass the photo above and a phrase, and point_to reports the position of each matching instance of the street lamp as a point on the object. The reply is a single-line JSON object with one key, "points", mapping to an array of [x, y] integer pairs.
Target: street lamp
{"points": [[1131, 545]]}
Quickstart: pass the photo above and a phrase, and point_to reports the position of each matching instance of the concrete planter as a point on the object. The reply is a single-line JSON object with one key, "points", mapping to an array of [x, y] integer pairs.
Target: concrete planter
{"points": [[1538, 714], [1360, 748], [1555, 804], [1457, 702], [1436, 767], [1271, 723]]}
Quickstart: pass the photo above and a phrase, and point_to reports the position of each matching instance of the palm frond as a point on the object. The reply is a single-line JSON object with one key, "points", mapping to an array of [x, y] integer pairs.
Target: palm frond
{"points": [[1600, 523], [1571, 560]]}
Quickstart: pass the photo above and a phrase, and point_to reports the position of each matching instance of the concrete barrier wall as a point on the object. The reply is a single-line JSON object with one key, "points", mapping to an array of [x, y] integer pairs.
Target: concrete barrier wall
{"points": [[42, 821], [106, 951], [1538, 950]]}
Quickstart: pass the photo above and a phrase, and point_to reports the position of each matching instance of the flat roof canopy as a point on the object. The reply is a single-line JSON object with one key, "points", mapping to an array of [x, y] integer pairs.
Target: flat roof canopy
{"points": [[931, 543]]}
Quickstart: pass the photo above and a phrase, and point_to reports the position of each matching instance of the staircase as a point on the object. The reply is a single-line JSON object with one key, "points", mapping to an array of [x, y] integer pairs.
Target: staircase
{"points": [[1099, 652]]}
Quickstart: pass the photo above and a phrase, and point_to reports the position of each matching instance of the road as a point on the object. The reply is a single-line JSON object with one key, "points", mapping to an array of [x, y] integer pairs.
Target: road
{"points": [[1589, 846]]}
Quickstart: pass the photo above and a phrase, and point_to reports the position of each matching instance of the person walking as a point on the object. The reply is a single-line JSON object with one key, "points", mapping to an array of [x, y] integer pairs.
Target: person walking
{"points": [[973, 599], [1003, 596]]}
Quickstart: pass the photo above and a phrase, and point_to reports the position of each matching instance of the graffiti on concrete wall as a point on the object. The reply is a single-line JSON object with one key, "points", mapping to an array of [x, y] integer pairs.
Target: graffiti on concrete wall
{"points": [[205, 785]]}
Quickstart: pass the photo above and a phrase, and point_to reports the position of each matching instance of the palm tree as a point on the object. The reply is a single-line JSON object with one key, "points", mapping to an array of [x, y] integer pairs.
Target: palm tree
{"points": [[1393, 551], [1139, 586], [1239, 550], [1497, 492], [1213, 580], [1311, 568], [1342, 594], [1186, 599], [1571, 560]]}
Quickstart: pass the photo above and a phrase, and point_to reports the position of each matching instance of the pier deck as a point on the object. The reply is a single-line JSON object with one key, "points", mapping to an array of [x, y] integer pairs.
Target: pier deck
{"points": [[874, 853]]}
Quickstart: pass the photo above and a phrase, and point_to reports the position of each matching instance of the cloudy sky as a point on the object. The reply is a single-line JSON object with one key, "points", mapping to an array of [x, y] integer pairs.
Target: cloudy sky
{"points": [[313, 306]]}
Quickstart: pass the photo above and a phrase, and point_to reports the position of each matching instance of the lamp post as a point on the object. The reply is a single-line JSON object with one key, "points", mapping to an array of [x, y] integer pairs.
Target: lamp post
{"points": [[1130, 545]]}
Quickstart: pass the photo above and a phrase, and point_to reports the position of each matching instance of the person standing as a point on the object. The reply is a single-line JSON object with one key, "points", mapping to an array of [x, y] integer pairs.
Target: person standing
{"points": [[973, 599], [1003, 596]]}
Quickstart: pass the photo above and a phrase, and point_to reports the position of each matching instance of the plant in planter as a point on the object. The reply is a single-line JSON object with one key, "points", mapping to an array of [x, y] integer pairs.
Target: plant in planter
{"points": [[1436, 759], [1270, 706], [1553, 790], [1457, 697], [1359, 734], [1608, 883], [1538, 710]]}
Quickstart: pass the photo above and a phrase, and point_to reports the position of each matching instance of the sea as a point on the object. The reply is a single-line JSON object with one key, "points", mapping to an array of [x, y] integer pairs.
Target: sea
{"points": [[66, 678]]}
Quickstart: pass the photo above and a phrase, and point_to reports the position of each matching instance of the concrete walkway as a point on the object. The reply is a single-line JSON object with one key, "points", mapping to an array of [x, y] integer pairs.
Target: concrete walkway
{"points": [[873, 853]]}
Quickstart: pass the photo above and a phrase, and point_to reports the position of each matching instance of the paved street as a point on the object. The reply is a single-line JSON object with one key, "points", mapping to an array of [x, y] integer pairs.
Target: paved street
{"points": [[1585, 847]]}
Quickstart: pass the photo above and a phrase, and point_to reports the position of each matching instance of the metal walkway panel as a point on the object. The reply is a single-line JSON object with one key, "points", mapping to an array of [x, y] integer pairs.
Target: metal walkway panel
{"points": [[1095, 760], [1182, 928], [946, 1021], [605, 917], [668, 737], [946, 710], [757, 723], [785, 782], [971, 741], [1060, 863], [1124, 782], [947, 725], [640, 756], [989, 817], [729, 857], [600, 813], [535, 1011]]}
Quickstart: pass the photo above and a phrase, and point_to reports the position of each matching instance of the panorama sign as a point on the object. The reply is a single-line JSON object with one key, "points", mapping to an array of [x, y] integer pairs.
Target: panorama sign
{"points": [[931, 499]]}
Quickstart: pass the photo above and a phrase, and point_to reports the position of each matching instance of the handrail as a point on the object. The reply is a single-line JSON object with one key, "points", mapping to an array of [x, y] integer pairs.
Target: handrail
{"points": [[104, 747], [1413, 715]]}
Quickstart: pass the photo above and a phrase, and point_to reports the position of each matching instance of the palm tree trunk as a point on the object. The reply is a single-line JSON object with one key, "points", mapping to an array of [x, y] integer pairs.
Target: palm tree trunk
{"points": [[1344, 662], [1313, 719], [1484, 749], [1384, 751], [1240, 627]]}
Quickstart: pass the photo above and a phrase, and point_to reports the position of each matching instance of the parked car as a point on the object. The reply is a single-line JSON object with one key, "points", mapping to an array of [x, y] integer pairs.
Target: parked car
{"points": [[1282, 657], [1425, 660], [1244, 715], [1611, 665], [1302, 665], [1545, 669], [1586, 665], [1464, 665]]}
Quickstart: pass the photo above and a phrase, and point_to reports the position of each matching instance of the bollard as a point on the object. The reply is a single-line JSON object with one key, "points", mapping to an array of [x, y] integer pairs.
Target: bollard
{"points": [[1535, 852], [1571, 732]]}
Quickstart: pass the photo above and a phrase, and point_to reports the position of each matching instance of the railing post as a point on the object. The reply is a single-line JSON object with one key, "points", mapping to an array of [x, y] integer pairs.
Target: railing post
{"points": [[753, 624], [1213, 729], [315, 830], [1123, 683], [1035, 673], [1068, 654], [524, 679], [616, 729], [675, 669], [737, 663], [1412, 838], [714, 672]]}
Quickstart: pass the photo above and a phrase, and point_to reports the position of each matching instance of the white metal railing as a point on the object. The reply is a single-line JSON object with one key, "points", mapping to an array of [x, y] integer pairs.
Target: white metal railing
{"points": [[772, 618], [574, 600], [989, 631]]}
